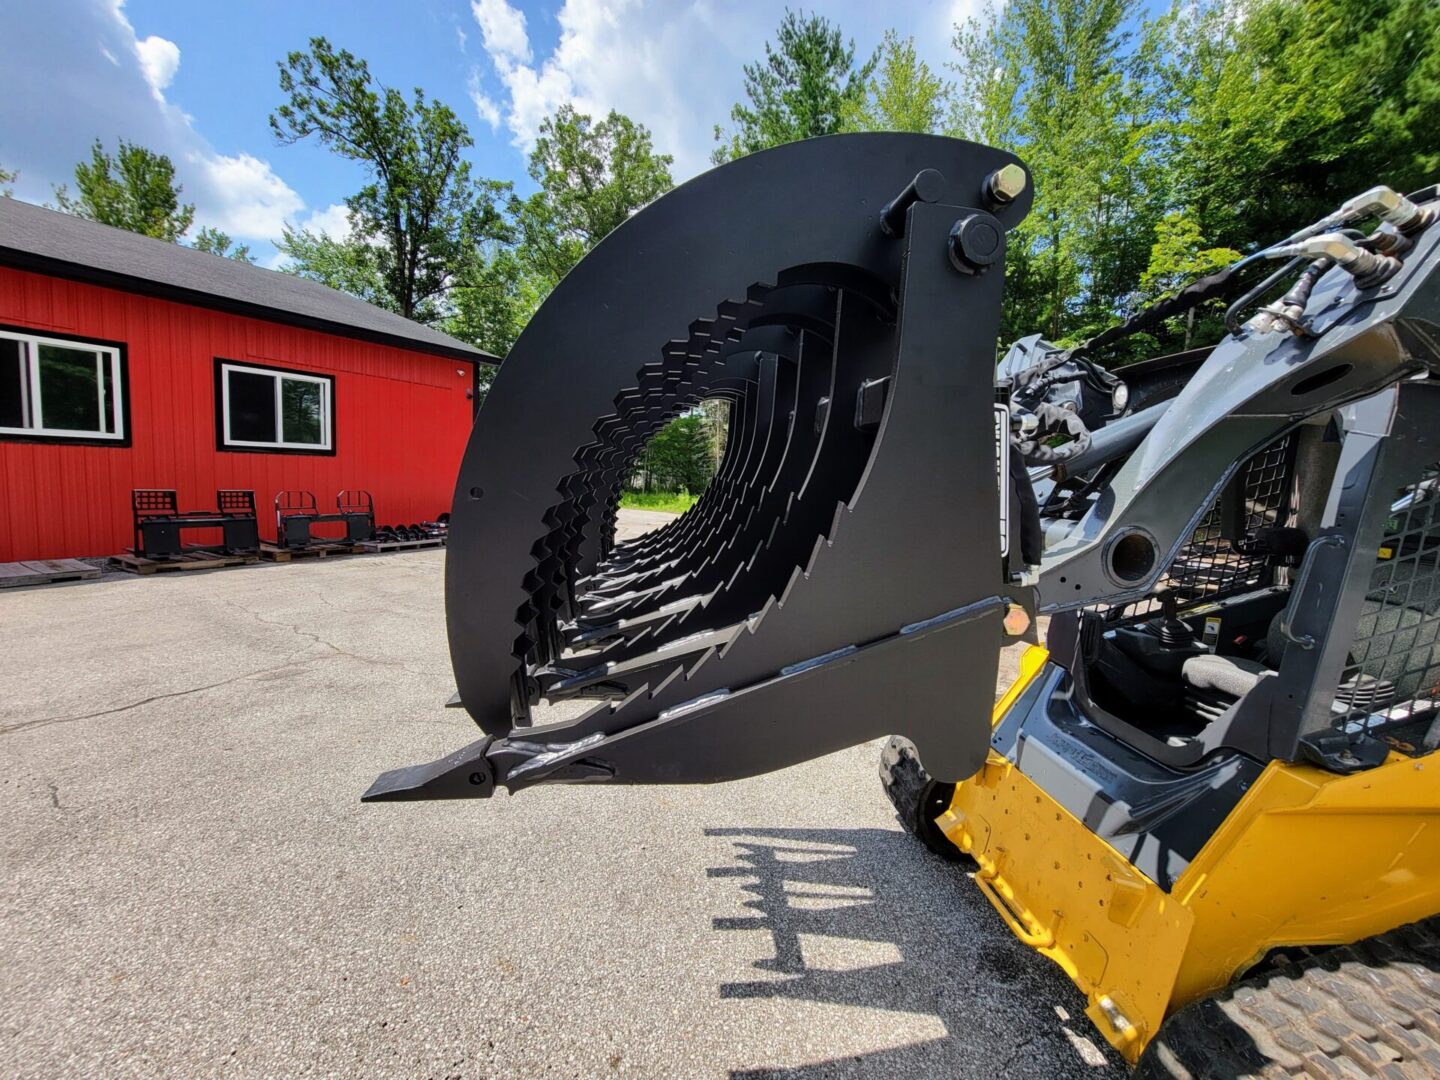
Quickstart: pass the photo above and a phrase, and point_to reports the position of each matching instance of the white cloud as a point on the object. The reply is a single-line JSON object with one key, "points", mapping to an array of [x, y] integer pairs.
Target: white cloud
{"points": [[159, 60], [962, 11], [676, 66], [57, 96], [333, 221], [485, 107], [502, 29], [256, 202]]}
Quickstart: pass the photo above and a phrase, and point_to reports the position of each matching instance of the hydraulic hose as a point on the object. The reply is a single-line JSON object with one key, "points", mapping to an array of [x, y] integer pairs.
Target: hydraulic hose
{"points": [[1232, 313]]}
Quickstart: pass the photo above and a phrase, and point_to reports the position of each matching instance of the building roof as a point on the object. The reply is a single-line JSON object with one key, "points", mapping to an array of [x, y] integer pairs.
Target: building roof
{"points": [[49, 242]]}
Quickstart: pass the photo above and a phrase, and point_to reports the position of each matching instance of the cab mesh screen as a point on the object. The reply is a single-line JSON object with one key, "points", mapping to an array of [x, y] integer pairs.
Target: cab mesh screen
{"points": [[1394, 671], [1209, 567]]}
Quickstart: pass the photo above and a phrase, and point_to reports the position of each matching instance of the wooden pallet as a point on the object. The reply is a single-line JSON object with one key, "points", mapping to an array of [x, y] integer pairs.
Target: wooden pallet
{"points": [[190, 560], [44, 571], [374, 546], [272, 553]]}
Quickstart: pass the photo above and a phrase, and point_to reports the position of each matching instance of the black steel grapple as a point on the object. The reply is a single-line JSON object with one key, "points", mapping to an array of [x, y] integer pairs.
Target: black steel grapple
{"points": [[843, 575]]}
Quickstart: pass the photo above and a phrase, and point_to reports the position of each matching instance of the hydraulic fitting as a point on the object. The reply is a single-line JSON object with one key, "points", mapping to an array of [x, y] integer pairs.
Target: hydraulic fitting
{"points": [[1389, 205], [1366, 267]]}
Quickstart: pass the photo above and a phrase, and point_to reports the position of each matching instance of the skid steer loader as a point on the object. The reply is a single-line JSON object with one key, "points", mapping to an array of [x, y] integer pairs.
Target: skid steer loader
{"points": [[1212, 796]]}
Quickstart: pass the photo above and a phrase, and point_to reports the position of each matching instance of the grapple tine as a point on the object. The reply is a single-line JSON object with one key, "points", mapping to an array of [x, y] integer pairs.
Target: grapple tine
{"points": [[465, 774]]}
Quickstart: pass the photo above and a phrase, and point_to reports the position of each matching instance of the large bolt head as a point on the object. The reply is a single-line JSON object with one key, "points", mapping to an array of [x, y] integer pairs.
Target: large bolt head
{"points": [[1016, 620], [1007, 183], [976, 242]]}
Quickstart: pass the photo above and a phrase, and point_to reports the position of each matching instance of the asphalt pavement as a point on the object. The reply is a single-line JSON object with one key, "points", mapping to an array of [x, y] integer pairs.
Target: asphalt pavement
{"points": [[191, 886]]}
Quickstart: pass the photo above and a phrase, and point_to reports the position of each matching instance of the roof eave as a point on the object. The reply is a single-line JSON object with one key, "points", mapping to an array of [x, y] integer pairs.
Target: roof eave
{"points": [[89, 275]]}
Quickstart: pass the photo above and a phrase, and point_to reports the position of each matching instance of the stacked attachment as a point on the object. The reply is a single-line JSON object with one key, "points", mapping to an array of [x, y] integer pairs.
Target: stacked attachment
{"points": [[413, 533], [842, 577], [159, 523], [297, 511]]}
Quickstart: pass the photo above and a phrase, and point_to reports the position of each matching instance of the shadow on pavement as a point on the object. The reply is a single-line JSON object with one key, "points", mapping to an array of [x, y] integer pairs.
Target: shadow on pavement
{"points": [[868, 918]]}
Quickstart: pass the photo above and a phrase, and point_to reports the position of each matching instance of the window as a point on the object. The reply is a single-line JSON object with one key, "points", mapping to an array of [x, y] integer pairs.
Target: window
{"points": [[53, 388], [269, 409]]}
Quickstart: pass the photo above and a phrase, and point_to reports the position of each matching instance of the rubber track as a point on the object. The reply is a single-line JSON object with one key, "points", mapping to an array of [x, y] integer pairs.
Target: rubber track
{"points": [[908, 785], [1366, 1010]]}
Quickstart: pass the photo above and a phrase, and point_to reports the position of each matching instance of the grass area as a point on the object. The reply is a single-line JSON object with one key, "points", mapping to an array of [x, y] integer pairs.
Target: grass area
{"points": [[672, 502]]}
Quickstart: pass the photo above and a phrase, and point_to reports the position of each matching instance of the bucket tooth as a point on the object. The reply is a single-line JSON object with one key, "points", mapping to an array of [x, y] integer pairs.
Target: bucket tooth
{"points": [[465, 774]]}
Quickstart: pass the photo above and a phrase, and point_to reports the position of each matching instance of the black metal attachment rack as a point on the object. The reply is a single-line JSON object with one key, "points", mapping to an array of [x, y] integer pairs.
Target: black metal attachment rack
{"points": [[297, 511], [159, 522]]}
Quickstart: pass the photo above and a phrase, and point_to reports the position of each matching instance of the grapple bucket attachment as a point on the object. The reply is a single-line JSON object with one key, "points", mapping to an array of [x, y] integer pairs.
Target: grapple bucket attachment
{"points": [[842, 577]]}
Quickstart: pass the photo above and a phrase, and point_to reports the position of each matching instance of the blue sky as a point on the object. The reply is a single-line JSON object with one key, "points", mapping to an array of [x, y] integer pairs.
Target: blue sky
{"points": [[197, 81]]}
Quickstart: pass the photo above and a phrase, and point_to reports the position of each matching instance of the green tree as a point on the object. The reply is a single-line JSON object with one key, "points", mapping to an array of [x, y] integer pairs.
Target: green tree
{"points": [[132, 189], [677, 457], [219, 243], [421, 215], [1060, 83], [1179, 257], [903, 94], [350, 265], [6, 178], [494, 301], [592, 177], [1283, 110], [803, 88], [716, 414]]}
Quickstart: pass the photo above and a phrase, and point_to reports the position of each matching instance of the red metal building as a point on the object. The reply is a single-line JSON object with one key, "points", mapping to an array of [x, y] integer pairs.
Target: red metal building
{"points": [[127, 362]]}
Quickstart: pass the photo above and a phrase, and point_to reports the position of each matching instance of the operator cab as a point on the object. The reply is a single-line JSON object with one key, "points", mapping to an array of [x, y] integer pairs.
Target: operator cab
{"points": [[1167, 673]]}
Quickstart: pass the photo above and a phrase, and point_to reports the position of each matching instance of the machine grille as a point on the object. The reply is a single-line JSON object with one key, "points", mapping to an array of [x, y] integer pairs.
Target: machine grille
{"points": [[1209, 567], [1393, 677]]}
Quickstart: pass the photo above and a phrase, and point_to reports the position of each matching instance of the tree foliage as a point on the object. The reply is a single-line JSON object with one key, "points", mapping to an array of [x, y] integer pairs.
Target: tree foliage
{"points": [[133, 189], [591, 176], [677, 457], [349, 265], [803, 88], [902, 94], [7, 177], [1179, 257], [1280, 111], [219, 243], [1159, 148], [1060, 83], [494, 300], [420, 216]]}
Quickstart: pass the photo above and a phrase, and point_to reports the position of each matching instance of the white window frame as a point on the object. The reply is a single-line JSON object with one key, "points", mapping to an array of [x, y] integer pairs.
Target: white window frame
{"points": [[107, 357], [326, 443]]}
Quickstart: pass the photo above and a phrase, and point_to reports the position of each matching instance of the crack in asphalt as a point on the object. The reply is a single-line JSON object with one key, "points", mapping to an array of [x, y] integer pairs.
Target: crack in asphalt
{"points": [[310, 635], [1015, 1053], [45, 721]]}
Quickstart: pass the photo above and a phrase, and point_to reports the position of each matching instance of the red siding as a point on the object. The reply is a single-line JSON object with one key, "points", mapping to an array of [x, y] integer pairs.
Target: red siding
{"points": [[401, 421]]}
